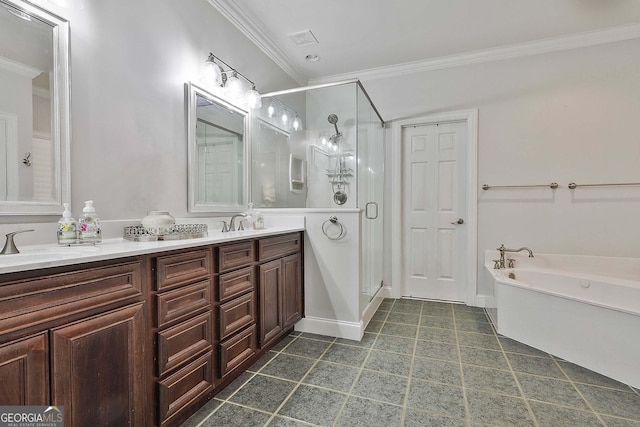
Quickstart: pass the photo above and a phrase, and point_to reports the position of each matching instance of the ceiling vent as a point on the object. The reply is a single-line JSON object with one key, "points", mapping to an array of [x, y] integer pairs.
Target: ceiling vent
{"points": [[303, 38]]}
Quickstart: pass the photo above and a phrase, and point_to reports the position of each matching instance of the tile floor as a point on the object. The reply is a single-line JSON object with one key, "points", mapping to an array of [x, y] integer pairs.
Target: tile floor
{"points": [[420, 363]]}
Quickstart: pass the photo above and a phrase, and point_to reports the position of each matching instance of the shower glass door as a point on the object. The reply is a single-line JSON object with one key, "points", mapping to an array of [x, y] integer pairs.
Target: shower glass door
{"points": [[370, 167]]}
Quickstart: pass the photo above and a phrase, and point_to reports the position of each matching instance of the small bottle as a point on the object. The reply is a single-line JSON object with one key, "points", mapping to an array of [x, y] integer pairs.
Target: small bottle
{"points": [[258, 220], [250, 214], [67, 234], [89, 225]]}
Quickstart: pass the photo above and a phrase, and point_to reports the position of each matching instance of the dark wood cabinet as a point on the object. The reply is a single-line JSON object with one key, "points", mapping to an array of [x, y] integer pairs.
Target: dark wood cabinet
{"points": [[146, 340], [280, 285], [76, 339], [98, 369], [24, 371]]}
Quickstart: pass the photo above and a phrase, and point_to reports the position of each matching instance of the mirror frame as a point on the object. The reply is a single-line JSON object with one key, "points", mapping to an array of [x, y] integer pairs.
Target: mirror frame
{"points": [[61, 116], [192, 91]]}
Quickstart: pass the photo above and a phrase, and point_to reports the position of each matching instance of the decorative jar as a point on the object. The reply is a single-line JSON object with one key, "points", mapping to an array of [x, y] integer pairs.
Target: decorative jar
{"points": [[158, 222]]}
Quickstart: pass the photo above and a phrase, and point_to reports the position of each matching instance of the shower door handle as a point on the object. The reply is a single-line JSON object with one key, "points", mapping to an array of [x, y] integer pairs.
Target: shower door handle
{"points": [[366, 210]]}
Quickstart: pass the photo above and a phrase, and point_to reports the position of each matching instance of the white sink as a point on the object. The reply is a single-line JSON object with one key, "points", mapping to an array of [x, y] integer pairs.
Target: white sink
{"points": [[45, 255]]}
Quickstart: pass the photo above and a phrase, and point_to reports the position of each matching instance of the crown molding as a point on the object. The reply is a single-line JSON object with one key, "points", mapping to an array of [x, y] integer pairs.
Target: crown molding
{"points": [[574, 41], [18, 68], [252, 31]]}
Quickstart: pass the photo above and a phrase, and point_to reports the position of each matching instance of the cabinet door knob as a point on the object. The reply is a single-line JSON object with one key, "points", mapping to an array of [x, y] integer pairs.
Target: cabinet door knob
{"points": [[459, 221]]}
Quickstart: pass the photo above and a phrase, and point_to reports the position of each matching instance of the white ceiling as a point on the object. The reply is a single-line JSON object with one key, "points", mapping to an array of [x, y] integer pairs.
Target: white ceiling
{"points": [[359, 37]]}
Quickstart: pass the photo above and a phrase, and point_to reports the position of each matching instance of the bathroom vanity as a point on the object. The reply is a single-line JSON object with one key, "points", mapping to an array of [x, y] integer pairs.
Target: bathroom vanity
{"points": [[146, 336]]}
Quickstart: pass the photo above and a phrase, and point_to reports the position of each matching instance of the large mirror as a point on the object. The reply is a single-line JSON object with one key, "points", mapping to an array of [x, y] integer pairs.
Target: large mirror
{"points": [[34, 110], [217, 141]]}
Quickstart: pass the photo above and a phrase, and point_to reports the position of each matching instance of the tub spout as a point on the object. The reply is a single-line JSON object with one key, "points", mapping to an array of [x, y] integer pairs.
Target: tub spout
{"points": [[502, 250]]}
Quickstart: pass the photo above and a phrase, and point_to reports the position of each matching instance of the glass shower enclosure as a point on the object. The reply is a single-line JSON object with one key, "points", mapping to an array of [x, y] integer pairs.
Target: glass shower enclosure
{"points": [[321, 148]]}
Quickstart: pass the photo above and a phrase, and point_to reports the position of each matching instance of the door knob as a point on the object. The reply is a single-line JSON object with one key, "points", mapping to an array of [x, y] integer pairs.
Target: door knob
{"points": [[459, 221]]}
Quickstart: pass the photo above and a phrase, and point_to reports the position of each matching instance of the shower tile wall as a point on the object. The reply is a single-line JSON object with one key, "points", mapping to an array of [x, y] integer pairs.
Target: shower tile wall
{"points": [[419, 364]]}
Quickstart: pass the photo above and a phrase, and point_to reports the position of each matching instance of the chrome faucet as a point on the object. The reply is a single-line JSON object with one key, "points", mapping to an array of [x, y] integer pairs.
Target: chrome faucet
{"points": [[9, 245], [240, 226], [500, 263]]}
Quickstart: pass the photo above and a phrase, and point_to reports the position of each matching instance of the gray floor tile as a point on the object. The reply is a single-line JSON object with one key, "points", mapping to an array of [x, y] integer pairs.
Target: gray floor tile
{"points": [[437, 350], [551, 390], [313, 405], [203, 413], [483, 357], [437, 370], [380, 386], [391, 363], [374, 326], [544, 366], [288, 367], [380, 316], [235, 385], [332, 375], [415, 418], [360, 412], [472, 339], [428, 333], [474, 326], [266, 358], [307, 347], [345, 354], [513, 346], [619, 422], [473, 316], [230, 415], [317, 337], [612, 402], [399, 329], [584, 375], [437, 398], [263, 393], [437, 322], [366, 341], [285, 422], [498, 410], [405, 318], [492, 380], [395, 344], [554, 416]]}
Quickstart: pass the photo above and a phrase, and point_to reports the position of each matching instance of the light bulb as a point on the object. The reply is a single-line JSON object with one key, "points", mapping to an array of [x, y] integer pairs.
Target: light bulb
{"points": [[233, 87], [254, 100], [212, 74], [271, 110], [284, 117], [297, 124]]}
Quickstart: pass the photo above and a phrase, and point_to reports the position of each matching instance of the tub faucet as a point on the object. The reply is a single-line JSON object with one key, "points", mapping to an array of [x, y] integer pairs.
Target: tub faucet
{"points": [[502, 250], [9, 245]]}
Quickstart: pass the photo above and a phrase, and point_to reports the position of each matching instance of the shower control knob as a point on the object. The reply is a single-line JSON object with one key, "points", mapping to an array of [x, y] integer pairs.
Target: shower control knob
{"points": [[459, 221]]}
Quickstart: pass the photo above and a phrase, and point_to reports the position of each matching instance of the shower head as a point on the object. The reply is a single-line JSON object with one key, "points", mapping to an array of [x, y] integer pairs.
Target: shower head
{"points": [[333, 119]]}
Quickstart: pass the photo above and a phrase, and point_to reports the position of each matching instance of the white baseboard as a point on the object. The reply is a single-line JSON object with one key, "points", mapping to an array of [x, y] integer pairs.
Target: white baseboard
{"points": [[332, 328]]}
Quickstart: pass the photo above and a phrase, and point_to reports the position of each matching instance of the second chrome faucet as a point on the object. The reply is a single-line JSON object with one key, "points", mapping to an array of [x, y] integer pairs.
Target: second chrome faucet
{"points": [[500, 263]]}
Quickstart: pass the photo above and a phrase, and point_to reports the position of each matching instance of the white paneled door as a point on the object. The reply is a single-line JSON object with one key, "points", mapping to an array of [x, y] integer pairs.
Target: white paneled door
{"points": [[434, 205]]}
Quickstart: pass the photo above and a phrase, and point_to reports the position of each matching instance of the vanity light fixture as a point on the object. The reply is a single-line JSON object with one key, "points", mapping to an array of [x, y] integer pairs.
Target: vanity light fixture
{"points": [[297, 123], [220, 74]]}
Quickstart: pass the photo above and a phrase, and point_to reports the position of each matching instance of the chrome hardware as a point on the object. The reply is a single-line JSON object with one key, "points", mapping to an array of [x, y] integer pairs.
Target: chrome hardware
{"points": [[366, 210], [573, 185], [510, 262], [553, 186], [232, 227], [496, 264], [225, 226], [502, 250], [9, 245], [325, 228], [459, 221]]}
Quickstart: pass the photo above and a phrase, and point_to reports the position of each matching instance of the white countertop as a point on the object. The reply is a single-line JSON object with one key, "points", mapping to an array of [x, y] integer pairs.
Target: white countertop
{"points": [[43, 256]]}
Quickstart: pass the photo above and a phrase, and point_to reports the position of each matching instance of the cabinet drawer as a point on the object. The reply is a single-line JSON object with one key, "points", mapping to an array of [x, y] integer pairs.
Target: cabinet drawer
{"points": [[31, 301], [180, 269], [236, 255], [184, 341], [237, 349], [179, 304], [185, 386], [235, 283], [274, 247], [236, 314]]}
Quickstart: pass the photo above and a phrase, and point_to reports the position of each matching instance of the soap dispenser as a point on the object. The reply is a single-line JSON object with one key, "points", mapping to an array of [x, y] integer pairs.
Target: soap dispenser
{"points": [[257, 220], [89, 225], [67, 234]]}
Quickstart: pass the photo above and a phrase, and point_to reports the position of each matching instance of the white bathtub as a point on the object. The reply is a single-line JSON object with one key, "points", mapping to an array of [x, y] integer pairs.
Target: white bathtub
{"points": [[584, 316]]}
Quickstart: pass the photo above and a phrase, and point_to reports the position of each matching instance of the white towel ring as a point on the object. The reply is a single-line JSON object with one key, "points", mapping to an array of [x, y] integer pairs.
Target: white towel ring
{"points": [[333, 221]]}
